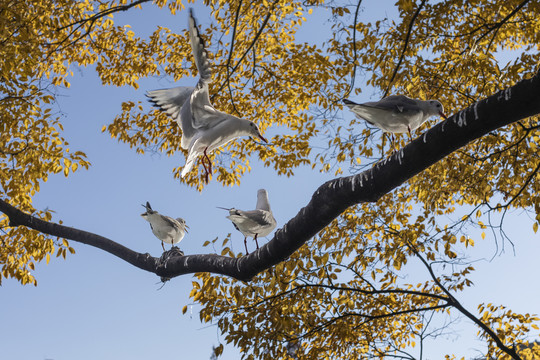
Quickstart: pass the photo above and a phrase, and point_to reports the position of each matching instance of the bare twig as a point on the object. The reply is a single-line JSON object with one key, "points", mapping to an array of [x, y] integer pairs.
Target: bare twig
{"points": [[456, 304], [407, 37]]}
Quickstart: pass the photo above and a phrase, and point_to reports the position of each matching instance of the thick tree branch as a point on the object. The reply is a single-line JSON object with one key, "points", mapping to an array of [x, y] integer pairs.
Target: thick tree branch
{"points": [[333, 197]]}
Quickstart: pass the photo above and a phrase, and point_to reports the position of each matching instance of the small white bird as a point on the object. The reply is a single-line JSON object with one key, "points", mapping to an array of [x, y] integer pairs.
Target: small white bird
{"points": [[165, 228], [396, 113], [203, 127], [254, 223]]}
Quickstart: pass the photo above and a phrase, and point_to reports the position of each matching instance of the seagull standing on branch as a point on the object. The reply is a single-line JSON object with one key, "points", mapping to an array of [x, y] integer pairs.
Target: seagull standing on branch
{"points": [[396, 113], [254, 223], [165, 228], [203, 127]]}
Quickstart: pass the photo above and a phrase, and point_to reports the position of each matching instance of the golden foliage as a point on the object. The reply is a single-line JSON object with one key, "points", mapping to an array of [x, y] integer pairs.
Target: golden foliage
{"points": [[342, 294]]}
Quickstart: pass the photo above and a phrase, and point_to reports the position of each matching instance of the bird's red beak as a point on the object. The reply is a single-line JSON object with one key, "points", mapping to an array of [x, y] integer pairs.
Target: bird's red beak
{"points": [[263, 139], [442, 114]]}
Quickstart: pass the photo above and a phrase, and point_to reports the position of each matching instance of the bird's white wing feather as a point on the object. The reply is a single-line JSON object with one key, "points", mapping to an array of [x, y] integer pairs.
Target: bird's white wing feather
{"points": [[202, 110], [170, 101]]}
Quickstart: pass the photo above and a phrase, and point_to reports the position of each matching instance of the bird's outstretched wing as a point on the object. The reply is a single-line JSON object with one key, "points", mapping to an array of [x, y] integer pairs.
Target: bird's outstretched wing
{"points": [[202, 110], [170, 101]]}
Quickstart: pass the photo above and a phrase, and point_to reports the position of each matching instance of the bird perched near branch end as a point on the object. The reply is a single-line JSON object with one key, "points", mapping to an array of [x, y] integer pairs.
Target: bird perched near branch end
{"points": [[165, 228]]}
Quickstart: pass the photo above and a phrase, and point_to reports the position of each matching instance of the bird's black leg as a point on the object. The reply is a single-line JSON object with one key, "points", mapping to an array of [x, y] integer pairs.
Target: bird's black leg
{"points": [[256, 242], [245, 244], [410, 135]]}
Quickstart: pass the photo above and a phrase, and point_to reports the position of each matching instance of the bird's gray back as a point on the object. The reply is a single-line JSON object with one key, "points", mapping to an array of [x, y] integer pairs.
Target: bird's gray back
{"points": [[253, 222], [398, 103]]}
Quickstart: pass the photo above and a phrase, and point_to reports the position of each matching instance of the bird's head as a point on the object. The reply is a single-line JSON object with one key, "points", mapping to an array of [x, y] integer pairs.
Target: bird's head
{"points": [[253, 131], [436, 108], [230, 210], [183, 224]]}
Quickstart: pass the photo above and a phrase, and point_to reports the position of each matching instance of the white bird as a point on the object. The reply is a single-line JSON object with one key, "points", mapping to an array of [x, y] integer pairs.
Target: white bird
{"points": [[396, 113], [203, 127], [254, 223], [165, 228]]}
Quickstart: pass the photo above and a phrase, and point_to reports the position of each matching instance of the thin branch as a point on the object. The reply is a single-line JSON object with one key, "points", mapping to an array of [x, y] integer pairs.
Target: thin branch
{"points": [[231, 50], [455, 303], [499, 24], [369, 317], [407, 37], [346, 288], [92, 20], [529, 179], [263, 25], [355, 55]]}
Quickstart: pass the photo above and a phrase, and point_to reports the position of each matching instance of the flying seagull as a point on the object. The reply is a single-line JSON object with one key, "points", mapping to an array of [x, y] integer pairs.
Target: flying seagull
{"points": [[254, 223], [165, 228], [396, 113], [203, 127]]}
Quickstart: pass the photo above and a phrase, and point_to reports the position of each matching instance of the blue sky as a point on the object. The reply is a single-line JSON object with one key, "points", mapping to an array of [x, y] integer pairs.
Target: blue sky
{"points": [[96, 306]]}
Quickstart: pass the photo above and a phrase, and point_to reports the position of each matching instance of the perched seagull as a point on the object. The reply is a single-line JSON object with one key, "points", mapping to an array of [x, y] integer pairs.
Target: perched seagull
{"points": [[203, 127], [254, 223], [165, 228], [396, 113]]}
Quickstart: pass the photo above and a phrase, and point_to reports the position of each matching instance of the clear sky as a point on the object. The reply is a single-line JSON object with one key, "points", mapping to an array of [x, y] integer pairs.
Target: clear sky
{"points": [[96, 306]]}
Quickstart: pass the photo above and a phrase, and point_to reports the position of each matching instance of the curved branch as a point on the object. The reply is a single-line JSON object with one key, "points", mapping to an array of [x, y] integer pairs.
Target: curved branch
{"points": [[263, 25], [499, 24], [370, 317], [355, 55], [411, 24], [452, 301], [332, 198], [92, 20], [231, 51], [349, 289]]}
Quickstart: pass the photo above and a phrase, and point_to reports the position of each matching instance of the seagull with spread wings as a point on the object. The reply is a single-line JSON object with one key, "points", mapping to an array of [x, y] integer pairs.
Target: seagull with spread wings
{"points": [[204, 128]]}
